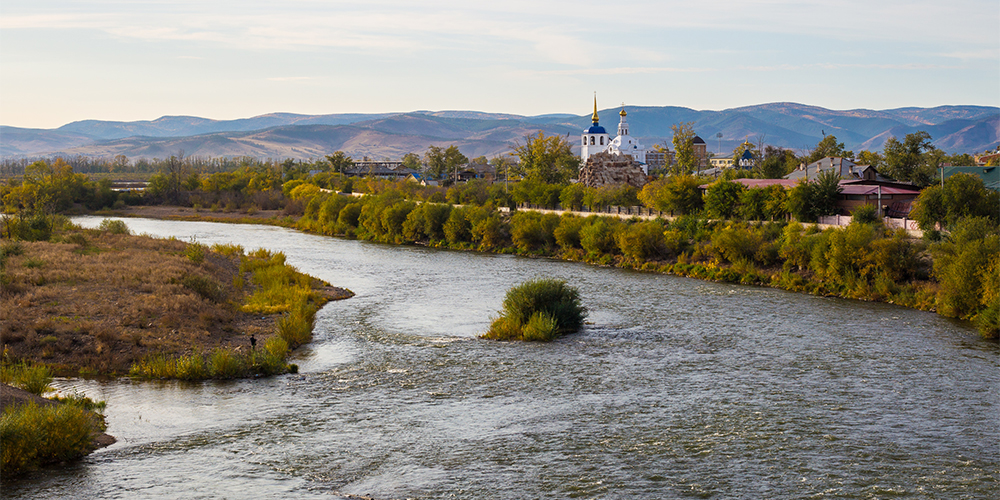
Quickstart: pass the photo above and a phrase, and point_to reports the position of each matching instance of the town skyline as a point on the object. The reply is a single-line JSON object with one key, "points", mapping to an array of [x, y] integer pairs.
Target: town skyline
{"points": [[225, 60]]}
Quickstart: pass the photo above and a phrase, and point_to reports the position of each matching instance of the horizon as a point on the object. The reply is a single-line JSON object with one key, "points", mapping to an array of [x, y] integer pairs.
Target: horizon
{"points": [[427, 111], [99, 60]]}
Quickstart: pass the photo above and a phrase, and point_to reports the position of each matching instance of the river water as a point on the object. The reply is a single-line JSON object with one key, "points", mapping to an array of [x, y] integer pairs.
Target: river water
{"points": [[676, 388]]}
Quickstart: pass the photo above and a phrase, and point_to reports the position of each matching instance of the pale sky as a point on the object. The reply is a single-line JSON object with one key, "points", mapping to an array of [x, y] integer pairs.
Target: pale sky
{"points": [[62, 61]]}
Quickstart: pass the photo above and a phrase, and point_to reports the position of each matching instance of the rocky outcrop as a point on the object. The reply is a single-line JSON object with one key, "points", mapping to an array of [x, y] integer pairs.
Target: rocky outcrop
{"points": [[604, 169]]}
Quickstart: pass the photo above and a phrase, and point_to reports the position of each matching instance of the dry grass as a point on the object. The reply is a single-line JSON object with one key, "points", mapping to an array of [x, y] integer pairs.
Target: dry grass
{"points": [[124, 299]]}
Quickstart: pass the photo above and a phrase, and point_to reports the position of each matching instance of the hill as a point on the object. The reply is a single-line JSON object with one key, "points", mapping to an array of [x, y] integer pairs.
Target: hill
{"points": [[955, 129]]}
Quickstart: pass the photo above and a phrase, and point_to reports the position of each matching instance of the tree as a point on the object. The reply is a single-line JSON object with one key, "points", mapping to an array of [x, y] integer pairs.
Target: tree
{"points": [[674, 194], [962, 196], [547, 159], [412, 161], [828, 146], [453, 158], [434, 159], [826, 193], [722, 198], [905, 161], [777, 162], [685, 160], [339, 162], [441, 162], [872, 158]]}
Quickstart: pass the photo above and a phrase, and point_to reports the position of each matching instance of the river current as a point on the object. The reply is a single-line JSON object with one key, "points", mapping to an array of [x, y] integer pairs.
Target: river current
{"points": [[676, 388]]}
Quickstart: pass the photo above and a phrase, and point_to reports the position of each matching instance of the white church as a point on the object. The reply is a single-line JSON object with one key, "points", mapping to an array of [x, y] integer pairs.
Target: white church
{"points": [[596, 140]]}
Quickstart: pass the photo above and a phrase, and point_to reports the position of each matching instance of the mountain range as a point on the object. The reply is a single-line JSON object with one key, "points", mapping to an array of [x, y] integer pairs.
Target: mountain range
{"points": [[955, 129]]}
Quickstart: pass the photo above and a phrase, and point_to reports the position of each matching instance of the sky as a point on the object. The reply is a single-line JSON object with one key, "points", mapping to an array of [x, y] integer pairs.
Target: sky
{"points": [[125, 60]]}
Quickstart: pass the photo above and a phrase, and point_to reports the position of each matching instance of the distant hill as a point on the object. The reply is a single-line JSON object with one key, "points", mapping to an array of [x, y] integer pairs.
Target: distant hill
{"points": [[956, 129]]}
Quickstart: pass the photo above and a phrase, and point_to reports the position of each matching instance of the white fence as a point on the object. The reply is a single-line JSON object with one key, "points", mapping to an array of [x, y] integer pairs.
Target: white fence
{"points": [[909, 225]]}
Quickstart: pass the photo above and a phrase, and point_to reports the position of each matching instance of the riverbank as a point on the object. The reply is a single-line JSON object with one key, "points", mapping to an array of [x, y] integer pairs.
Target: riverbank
{"points": [[862, 261], [95, 303], [30, 439]]}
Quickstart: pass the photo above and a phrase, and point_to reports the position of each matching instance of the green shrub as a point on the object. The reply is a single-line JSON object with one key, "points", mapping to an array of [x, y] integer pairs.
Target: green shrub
{"points": [[225, 364], [538, 310], [114, 226], [541, 327], [32, 435], [195, 252], [864, 214]]}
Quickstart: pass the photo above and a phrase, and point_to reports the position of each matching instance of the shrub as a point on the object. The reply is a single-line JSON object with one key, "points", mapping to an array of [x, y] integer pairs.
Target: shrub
{"points": [[864, 214], [32, 435], [34, 378], [225, 364], [538, 310], [114, 226], [541, 327], [205, 286], [642, 241]]}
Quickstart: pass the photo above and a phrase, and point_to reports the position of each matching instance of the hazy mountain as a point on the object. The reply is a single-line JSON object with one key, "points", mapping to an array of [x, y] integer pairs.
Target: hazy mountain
{"points": [[965, 129]]}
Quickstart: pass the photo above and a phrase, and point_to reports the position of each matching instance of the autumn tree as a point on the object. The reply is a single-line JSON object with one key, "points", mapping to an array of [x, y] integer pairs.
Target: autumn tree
{"points": [[547, 159], [685, 161]]}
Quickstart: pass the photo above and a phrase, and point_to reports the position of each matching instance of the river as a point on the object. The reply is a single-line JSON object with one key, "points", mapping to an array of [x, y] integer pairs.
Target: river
{"points": [[676, 388]]}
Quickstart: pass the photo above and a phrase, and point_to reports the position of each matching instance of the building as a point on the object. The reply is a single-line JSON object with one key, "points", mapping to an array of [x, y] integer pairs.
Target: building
{"points": [[595, 139], [721, 162], [700, 150]]}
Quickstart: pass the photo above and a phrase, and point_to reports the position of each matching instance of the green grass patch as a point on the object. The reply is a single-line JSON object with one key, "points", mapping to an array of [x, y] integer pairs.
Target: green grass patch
{"points": [[35, 378]]}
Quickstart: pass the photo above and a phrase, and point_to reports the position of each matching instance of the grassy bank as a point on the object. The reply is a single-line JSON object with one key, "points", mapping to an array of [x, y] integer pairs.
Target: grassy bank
{"points": [[36, 431], [104, 302]]}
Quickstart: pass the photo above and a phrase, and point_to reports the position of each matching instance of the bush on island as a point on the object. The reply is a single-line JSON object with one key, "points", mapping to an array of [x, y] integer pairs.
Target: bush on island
{"points": [[538, 310]]}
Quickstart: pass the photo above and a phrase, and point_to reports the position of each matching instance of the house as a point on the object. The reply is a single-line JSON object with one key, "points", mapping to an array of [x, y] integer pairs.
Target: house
{"points": [[419, 178], [379, 169], [471, 171], [893, 199], [721, 161], [845, 168]]}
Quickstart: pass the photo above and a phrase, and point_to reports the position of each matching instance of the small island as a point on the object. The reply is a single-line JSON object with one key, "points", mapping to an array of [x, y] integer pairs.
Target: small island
{"points": [[538, 310]]}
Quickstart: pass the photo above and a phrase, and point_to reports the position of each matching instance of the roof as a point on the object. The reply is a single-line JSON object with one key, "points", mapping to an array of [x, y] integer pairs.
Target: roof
{"points": [[989, 175], [698, 140], [595, 129], [844, 166], [763, 183], [863, 189]]}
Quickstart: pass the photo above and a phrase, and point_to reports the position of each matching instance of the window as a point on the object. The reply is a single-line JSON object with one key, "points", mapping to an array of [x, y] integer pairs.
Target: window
{"points": [[591, 140], [584, 140], [602, 141]]}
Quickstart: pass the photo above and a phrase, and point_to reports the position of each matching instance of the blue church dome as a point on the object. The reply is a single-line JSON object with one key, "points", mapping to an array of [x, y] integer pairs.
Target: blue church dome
{"points": [[595, 129]]}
